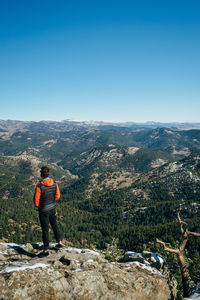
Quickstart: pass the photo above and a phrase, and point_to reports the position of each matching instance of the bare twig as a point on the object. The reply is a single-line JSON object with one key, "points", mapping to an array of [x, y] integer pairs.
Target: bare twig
{"points": [[176, 251], [180, 221], [192, 233]]}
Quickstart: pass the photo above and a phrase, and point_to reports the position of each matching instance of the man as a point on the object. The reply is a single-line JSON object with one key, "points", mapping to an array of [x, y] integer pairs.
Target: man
{"points": [[46, 193]]}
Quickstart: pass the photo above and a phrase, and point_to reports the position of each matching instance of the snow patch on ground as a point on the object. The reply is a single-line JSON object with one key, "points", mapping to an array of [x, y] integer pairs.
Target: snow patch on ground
{"points": [[77, 270], [19, 266], [77, 250], [145, 266], [92, 252], [72, 249], [90, 260]]}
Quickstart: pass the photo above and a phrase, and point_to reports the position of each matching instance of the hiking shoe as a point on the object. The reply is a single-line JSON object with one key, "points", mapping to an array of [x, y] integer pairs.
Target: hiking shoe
{"points": [[59, 246], [43, 254]]}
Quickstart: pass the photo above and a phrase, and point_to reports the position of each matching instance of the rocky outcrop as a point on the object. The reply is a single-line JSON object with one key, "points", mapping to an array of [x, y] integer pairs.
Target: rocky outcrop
{"points": [[78, 274], [152, 261]]}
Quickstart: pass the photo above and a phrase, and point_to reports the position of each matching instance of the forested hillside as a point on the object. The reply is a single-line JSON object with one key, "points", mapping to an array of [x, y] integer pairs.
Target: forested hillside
{"points": [[116, 181]]}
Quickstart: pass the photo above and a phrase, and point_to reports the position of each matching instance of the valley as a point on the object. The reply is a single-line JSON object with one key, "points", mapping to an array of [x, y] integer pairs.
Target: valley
{"points": [[124, 182]]}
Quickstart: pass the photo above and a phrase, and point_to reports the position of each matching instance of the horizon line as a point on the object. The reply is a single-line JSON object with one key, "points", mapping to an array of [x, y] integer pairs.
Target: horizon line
{"points": [[109, 122]]}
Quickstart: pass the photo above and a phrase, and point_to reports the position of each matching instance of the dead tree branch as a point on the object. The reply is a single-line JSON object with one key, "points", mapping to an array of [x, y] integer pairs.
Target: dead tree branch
{"points": [[180, 254], [181, 222], [176, 251]]}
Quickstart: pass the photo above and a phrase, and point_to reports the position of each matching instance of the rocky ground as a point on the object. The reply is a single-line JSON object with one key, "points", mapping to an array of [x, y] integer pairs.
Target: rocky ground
{"points": [[79, 274]]}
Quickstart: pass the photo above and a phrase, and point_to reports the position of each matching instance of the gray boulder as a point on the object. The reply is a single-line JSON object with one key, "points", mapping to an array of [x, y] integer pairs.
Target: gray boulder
{"points": [[132, 256]]}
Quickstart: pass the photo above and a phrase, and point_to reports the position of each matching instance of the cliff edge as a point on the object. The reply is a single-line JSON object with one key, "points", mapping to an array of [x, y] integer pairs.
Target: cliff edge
{"points": [[78, 274]]}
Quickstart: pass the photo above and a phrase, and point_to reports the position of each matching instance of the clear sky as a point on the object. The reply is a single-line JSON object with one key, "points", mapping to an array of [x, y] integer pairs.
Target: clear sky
{"points": [[113, 60]]}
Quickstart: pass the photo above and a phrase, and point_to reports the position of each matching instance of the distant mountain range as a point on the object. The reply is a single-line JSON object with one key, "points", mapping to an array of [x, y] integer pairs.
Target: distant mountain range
{"points": [[110, 156], [85, 147], [123, 180], [15, 124], [149, 124]]}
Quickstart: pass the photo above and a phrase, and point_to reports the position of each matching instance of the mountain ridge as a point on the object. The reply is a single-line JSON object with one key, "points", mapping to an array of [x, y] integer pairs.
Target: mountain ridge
{"points": [[93, 123]]}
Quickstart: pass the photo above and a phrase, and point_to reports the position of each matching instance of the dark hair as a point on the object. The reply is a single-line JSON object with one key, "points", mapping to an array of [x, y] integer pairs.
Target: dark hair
{"points": [[44, 172]]}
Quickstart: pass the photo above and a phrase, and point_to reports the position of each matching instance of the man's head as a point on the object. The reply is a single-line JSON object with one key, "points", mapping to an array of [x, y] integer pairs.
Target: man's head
{"points": [[44, 172]]}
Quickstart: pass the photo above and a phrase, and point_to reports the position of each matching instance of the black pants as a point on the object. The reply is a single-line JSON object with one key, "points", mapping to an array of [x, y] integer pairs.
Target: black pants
{"points": [[46, 218]]}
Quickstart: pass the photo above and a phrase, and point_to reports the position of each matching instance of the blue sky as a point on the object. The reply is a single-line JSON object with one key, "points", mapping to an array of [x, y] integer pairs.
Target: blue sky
{"points": [[100, 60]]}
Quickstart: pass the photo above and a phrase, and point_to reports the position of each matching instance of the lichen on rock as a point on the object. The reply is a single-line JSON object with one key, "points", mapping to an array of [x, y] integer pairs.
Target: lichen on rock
{"points": [[71, 273]]}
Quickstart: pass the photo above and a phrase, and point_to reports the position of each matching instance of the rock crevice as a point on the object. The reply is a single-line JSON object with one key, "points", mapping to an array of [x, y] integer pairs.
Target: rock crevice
{"points": [[72, 273]]}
